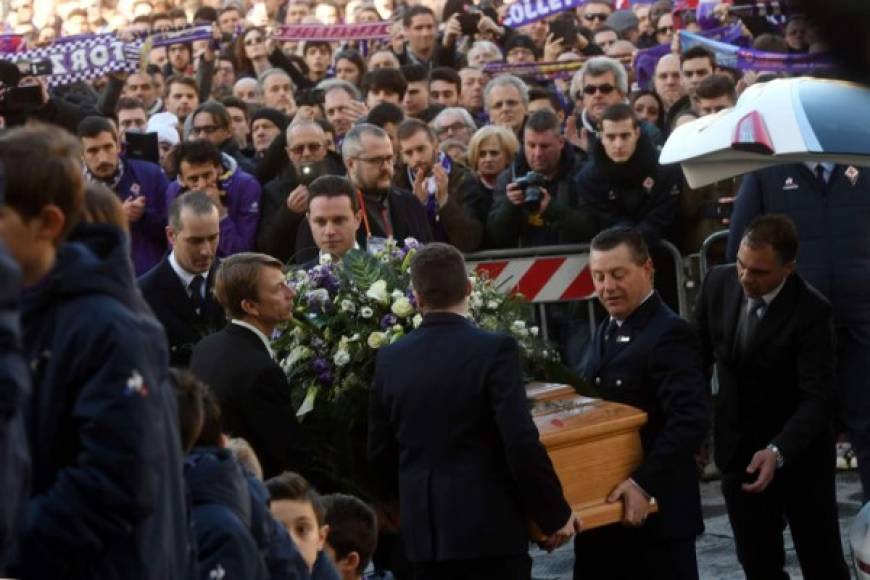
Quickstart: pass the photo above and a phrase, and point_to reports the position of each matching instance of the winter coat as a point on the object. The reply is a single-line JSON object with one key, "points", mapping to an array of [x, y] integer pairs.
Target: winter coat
{"points": [[238, 230], [107, 497], [639, 193], [221, 516], [14, 394], [565, 220], [148, 234]]}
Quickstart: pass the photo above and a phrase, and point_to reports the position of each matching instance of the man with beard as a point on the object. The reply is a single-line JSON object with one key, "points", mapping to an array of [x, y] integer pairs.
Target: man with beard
{"points": [[387, 212], [447, 189], [140, 185], [182, 97], [624, 184]]}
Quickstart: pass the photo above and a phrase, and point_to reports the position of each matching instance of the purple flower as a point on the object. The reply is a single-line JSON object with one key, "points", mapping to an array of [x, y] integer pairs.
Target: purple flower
{"points": [[320, 365], [325, 378], [322, 277], [411, 298], [411, 244], [389, 320]]}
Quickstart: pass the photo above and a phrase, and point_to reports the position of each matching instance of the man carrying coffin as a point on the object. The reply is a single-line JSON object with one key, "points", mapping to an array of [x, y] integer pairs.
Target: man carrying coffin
{"points": [[645, 356], [466, 492]]}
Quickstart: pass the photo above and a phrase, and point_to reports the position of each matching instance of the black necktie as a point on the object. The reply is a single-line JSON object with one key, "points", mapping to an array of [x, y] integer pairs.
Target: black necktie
{"points": [[610, 334], [753, 313], [196, 295], [820, 176]]}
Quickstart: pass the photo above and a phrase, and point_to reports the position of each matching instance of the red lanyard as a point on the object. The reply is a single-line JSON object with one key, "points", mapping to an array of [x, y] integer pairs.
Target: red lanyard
{"points": [[384, 216]]}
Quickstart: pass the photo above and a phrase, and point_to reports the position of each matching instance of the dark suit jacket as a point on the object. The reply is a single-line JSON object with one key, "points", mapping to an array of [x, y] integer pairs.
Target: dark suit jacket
{"points": [[168, 298], [655, 365], [407, 216], [781, 390], [254, 396], [448, 415]]}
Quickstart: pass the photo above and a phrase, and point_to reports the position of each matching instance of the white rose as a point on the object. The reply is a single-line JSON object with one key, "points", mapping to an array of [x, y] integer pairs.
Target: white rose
{"points": [[366, 312], [376, 340], [397, 294], [492, 304], [318, 295], [378, 292], [301, 275], [341, 358], [325, 258], [534, 330], [417, 320], [348, 306], [297, 355], [518, 325], [402, 308]]}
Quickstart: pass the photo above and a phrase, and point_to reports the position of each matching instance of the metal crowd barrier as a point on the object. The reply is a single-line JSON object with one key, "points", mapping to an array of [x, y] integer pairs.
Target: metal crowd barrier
{"points": [[555, 274], [705, 250]]}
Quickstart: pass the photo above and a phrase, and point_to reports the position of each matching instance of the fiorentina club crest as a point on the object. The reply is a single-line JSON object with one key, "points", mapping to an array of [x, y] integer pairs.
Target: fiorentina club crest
{"points": [[648, 184], [852, 175]]}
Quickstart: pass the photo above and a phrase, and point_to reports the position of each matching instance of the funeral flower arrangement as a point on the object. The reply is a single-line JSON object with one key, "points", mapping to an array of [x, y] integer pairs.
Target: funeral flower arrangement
{"points": [[344, 312]]}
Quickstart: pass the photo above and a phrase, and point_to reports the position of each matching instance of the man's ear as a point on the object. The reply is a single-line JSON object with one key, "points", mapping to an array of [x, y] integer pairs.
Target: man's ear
{"points": [[250, 308], [52, 222], [348, 566], [170, 235], [322, 535]]}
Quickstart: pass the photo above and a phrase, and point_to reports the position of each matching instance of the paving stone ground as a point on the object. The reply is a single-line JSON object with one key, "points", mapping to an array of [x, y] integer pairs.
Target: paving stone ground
{"points": [[715, 548]]}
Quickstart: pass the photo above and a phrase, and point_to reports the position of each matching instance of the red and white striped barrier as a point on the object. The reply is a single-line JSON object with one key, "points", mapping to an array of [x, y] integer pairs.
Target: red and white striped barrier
{"points": [[541, 279]]}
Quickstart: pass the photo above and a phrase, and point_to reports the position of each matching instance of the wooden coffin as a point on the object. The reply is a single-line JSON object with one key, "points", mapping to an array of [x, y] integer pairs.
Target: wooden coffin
{"points": [[594, 446]]}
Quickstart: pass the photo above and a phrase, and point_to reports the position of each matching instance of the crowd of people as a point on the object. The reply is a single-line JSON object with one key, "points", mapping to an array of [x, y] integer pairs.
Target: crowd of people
{"points": [[151, 215]]}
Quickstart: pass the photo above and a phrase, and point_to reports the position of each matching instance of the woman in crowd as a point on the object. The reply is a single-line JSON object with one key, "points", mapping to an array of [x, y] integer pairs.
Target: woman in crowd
{"points": [[491, 150], [350, 66], [649, 107]]}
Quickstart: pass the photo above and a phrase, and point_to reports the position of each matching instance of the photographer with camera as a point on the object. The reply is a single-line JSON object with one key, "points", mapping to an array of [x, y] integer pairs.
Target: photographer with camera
{"points": [[285, 198], [534, 203]]}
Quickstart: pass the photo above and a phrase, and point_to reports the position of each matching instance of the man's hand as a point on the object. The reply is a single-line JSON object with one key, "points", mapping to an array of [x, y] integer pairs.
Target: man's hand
{"points": [[355, 110], [764, 463], [515, 194], [419, 187], [297, 201], [635, 502], [487, 25], [441, 179], [452, 30], [562, 535], [577, 139], [134, 208], [214, 194], [553, 48]]}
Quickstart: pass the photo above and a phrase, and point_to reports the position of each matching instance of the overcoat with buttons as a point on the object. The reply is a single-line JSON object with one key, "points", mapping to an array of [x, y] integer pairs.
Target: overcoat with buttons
{"points": [[654, 363]]}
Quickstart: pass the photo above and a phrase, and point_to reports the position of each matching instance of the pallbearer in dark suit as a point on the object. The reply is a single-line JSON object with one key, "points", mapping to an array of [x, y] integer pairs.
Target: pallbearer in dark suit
{"points": [[237, 361], [449, 422], [646, 356], [179, 287], [771, 336]]}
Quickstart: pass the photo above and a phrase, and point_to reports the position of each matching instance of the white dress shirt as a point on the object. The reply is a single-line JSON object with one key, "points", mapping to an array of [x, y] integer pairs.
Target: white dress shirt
{"points": [[263, 338]]}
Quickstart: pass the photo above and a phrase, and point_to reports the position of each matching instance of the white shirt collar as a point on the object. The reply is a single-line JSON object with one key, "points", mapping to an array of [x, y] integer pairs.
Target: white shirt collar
{"points": [[258, 332], [829, 168], [768, 298], [183, 275], [648, 296]]}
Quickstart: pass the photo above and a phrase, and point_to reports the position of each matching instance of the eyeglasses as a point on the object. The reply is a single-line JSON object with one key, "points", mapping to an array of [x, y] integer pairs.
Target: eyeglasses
{"points": [[254, 40], [204, 130], [603, 89], [300, 149], [379, 161], [455, 127], [599, 17], [665, 30]]}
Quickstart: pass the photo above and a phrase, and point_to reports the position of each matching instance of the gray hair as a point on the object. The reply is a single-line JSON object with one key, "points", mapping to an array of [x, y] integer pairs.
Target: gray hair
{"points": [[246, 80], [196, 201], [261, 80], [506, 80], [303, 124], [484, 47], [329, 85], [465, 115], [352, 145], [597, 66]]}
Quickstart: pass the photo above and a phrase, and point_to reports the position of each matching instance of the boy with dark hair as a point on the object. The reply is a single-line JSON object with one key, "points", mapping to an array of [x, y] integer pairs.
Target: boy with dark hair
{"points": [[353, 536], [298, 506], [384, 85]]}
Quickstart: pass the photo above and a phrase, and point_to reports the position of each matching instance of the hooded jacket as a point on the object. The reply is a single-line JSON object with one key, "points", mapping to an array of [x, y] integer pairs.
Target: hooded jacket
{"points": [[148, 234], [639, 193], [222, 516], [238, 229], [564, 221], [14, 393], [107, 497]]}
